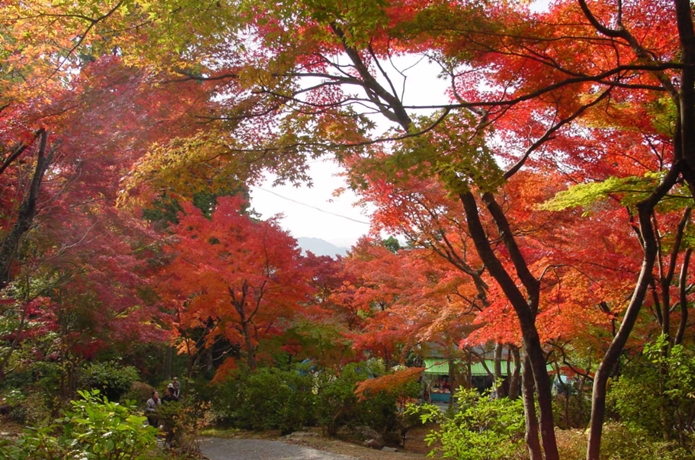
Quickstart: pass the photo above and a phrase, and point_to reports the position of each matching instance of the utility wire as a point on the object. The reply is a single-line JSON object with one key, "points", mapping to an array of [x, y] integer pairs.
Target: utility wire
{"points": [[312, 207]]}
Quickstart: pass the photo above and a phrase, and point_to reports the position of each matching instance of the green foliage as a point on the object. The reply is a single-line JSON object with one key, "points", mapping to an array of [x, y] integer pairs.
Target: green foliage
{"points": [[337, 405], [27, 408], [267, 398], [631, 189], [620, 442], [290, 399], [452, 150], [654, 395], [93, 428], [480, 429], [111, 378], [392, 244]]}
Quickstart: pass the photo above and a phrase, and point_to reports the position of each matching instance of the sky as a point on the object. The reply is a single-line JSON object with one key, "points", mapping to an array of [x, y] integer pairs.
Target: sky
{"points": [[314, 212]]}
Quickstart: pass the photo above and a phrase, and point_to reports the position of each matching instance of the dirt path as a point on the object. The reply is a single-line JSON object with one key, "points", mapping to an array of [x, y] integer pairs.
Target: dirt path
{"points": [[294, 447], [262, 449]]}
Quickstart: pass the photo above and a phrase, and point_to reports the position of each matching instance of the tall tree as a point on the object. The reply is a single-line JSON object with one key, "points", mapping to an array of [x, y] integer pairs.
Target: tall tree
{"points": [[235, 277]]}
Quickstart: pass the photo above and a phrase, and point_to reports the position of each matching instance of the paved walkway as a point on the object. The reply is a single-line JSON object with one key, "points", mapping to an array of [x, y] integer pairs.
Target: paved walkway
{"points": [[262, 449]]}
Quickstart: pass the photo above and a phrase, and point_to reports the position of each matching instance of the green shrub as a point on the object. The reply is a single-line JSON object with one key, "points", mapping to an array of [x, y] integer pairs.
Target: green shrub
{"points": [[337, 405], [291, 399], [26, 409], [267, 398], [621, 442], [481, 429], [653, 396], [111, 378], [336, 402], [93, 428]]}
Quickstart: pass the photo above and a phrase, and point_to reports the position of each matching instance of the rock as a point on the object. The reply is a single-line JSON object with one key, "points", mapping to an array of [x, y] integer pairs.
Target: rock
{"points": [[367, 432], [389, 449], [373, 444]]}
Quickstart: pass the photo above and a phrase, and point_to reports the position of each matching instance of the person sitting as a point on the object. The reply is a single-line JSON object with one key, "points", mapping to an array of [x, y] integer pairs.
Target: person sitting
{"points": [[170, 395], [151, 410]]}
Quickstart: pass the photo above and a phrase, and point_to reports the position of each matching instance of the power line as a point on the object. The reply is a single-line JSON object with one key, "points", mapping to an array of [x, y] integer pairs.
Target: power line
{"points": [[312, 207]]}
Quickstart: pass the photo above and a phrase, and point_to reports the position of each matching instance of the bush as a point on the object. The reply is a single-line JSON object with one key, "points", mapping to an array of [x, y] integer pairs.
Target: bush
{"points": [[337, 405], [182, 421], [654, 394], [25, 409], [620, 442], [291, 399], [266, 398], [111, 378], [336, 402], [481, 429], [93, 428]]}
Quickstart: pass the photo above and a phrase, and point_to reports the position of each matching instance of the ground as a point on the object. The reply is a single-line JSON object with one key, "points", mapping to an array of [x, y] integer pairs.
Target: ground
{"points": [[415, 446]]}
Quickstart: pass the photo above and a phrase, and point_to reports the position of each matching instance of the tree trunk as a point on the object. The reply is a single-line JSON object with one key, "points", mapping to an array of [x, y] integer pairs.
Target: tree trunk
{"points": [[610, 359], [499, 380], [248, 344], [527, 391], [27, 211], [515, 375], [524, 306]]}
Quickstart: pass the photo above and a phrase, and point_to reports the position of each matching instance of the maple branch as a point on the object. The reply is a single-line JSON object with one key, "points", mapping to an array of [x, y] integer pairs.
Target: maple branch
{"points": [[374, 90], [383, 72], [552, 130], [17, 152], [641, 52], [584, 373], [192, 76], [531, 284], [83, 36], [598, 78]]}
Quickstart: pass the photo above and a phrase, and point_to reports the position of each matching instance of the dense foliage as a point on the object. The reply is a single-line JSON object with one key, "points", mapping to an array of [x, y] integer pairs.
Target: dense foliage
{"points": [[478, 428], [92, 428], [539, 203]]}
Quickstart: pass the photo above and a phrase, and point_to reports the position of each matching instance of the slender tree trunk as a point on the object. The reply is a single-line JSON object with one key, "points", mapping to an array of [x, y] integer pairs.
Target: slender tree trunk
{"points": [[527, 391], [683, 289], [27, 211], [544, 392], [499, 384], [515, 375], [248, 344], [610, 359], [524, 306]]}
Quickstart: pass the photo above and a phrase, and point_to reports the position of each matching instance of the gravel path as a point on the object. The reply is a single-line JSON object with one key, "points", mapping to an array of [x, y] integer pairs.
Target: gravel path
{"points": [[262, 449]]}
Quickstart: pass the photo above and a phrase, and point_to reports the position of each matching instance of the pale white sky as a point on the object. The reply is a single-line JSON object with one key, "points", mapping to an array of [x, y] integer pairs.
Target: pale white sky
{"points": [[314, 212]]}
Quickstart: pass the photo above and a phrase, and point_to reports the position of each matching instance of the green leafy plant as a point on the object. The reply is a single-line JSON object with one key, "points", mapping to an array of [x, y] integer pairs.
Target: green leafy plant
{"points": [[266, 399], [111, 378], [182, 422], [92, 428], [654, 395], [481, 429]]}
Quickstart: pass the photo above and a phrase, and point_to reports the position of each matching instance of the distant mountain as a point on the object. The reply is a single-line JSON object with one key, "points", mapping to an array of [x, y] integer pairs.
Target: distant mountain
{"points": [[320, 247]]}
